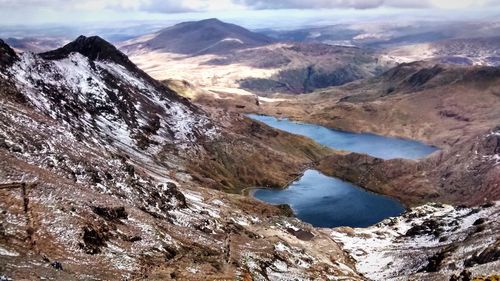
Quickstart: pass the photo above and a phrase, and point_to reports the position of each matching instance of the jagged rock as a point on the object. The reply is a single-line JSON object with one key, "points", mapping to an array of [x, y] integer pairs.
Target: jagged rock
{"points": [[479, 221], [110, 213], [94, 47], [94, 239], [286, 210], [490, 254], [301, 234], [174, 192], [429, 227], [434, 262], [465, 275], [5, 278], [7, 55]]}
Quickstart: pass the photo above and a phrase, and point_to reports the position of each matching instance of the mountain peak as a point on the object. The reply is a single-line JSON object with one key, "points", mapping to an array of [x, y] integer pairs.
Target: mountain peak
{"points": [[7, 54], [211, 20], [94, 47], [209, 36]]}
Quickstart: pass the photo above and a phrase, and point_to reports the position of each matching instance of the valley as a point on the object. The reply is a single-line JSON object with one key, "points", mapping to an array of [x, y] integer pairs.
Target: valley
{"points": [[144, 161]]}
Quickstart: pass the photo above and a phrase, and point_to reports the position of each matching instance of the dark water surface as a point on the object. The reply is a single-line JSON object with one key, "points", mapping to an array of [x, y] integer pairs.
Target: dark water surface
{"points": [[330, 202]]}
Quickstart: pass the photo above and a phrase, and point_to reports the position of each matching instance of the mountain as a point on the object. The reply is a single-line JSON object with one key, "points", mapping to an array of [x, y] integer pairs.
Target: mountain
{"points": [[383, 35], [210, 36], [106, 173], [437, 241], [7, 55], [301, 68]]}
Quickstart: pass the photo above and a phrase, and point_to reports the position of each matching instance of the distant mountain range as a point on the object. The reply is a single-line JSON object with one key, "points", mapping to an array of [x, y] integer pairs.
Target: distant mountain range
{"points": [[465, 51], [213, 53]]}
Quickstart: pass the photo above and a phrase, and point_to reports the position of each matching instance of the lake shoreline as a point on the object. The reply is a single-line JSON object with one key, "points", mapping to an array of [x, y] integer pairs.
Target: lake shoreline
{"points": [[321, 195]]}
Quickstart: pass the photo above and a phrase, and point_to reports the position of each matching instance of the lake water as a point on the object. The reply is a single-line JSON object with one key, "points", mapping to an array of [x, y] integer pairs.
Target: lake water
{"points": [[330, 202], [371, 144]]}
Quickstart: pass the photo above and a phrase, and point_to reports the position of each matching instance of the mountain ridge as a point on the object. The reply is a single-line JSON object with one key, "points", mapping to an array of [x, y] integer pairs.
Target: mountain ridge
{"points": [[97, 180]]}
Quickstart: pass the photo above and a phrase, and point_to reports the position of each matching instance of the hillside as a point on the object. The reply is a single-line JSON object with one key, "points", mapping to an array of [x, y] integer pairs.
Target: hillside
{"points": [[96, 167], [466, 174], [466, 51], [438, 104]]}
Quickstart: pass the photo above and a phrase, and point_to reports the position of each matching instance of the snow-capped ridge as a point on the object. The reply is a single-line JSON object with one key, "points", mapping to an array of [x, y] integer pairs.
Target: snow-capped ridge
{"points": [[109, 97]]}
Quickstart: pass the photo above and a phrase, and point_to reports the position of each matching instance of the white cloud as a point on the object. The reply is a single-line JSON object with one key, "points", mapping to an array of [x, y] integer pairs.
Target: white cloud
{"points": [[156, 6], [19, 10], [333, 4], [367, 4], [461, 4]]}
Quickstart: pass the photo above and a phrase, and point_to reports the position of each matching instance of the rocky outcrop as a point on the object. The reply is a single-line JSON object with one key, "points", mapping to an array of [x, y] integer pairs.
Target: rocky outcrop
{"points": [[7, 55], [95, 48], [430, 242]]}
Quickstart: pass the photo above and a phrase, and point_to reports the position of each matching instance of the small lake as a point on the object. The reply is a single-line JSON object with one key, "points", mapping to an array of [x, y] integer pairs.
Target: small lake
{"points": [[330, 202], [371, 144]]}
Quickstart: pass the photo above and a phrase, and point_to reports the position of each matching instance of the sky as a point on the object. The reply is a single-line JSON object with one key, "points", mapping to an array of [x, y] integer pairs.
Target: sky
{"points": [[19, 12]]}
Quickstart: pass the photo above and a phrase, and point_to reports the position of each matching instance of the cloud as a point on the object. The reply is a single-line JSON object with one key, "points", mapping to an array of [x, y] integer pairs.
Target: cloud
{"points": [[169, 6], [332, 4], [160, 6], [152, 6], [181, 6], [462, 4], [366, 4]]}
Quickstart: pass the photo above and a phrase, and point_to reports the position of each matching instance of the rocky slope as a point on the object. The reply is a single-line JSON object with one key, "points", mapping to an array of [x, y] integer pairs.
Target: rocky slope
{"points": [[96, 184], [429, 242]]}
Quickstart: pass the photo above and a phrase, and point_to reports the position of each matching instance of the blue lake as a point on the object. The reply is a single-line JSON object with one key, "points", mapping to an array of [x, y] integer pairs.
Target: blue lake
{"points": [[371, 144], [330, 202]]}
